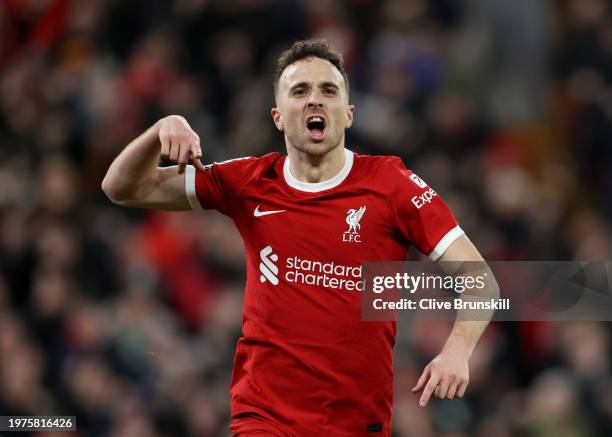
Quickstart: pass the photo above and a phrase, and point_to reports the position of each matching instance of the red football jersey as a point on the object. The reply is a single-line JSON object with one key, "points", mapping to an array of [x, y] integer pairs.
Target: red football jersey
{"points": [[306, 362]]}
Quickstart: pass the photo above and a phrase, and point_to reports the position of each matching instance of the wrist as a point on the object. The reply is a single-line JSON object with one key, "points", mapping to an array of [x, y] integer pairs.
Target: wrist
{"points": [[459, 345]]}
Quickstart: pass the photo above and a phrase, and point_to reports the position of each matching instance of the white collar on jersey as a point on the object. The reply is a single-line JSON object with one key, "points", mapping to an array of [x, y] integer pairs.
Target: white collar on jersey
{"points": [[313, 187]]}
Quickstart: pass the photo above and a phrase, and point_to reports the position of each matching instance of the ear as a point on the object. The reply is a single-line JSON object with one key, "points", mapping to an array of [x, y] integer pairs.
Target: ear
{"points": [[350, 111], [278, 118]]}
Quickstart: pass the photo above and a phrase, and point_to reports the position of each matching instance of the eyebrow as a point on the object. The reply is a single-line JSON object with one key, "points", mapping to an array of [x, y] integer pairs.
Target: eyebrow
{"points": [[329, 85]]}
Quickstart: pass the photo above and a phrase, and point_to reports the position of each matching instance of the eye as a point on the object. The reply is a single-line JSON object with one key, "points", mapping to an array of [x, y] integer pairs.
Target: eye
{"points": [[299, 92], [330, 91]]}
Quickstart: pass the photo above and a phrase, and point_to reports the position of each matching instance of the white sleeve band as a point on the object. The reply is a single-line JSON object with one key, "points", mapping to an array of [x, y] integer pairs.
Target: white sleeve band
{"points": [[445, 243], [190, 188]]}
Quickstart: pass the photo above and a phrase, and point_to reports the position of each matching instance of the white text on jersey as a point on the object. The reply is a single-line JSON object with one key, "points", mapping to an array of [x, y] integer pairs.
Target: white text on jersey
{"points": [[424, 198]]}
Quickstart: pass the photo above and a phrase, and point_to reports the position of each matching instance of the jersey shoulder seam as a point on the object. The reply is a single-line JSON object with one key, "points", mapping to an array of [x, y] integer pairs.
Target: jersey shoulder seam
{"points": [[260, 163]]}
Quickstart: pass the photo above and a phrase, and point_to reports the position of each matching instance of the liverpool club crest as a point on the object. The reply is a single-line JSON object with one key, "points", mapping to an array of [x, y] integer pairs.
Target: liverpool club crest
{"points": [[353, 217]]}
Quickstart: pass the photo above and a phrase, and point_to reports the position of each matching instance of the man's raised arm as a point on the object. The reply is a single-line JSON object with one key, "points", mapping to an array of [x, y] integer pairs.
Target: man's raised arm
{"points": [[447, 375], [134, 178]]}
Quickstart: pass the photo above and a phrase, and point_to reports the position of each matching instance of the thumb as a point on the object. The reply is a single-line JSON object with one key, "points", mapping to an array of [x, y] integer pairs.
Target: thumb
{"points": [[421, 382]]}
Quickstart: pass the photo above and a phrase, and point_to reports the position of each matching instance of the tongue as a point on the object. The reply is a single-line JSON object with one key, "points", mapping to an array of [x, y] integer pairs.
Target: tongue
{"points": [[316, 133]]}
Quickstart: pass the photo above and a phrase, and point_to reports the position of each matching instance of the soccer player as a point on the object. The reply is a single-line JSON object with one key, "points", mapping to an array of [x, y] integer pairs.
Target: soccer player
{"points": [[306, 365]]}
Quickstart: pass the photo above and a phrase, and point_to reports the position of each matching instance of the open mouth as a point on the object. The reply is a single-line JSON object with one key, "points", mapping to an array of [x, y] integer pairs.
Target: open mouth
{"points": [[316, 126]]}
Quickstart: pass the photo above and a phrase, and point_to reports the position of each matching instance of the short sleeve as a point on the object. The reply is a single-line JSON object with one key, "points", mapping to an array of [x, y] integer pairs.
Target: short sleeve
{"points": [[218, 186], [421, 216]]}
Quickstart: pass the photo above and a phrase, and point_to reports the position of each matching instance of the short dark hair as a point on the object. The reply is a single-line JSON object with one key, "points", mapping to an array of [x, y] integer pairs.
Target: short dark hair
{"points": [[318, 48]]}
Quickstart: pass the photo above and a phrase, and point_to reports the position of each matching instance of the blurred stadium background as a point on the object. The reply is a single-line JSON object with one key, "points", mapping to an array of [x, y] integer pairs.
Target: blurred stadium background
{"points": [[128, 318]]}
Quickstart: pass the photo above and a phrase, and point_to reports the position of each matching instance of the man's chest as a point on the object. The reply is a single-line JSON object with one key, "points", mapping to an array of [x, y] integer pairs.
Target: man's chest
{"points": [[350, 227]]}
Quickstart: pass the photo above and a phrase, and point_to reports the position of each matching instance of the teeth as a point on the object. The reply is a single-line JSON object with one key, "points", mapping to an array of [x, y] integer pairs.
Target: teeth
{"points": [[314, 119]]}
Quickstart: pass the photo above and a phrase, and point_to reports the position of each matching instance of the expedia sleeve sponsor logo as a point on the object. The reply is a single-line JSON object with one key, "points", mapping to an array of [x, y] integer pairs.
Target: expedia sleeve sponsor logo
{"points": [[426, 198]]}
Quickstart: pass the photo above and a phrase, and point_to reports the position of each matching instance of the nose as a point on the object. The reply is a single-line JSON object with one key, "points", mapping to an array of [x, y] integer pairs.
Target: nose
{"points": [[314, 104], [314, 100]]}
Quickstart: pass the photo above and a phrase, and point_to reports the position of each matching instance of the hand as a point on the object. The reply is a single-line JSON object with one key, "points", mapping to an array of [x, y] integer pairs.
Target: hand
{"points": [[447, 377], [179, 143]]}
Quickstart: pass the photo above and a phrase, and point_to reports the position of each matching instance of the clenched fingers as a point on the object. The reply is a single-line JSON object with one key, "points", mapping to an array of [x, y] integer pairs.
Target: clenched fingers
{"points": [[443, 386], [179, 143], [183, 158], [165, 146], [461, 389], [452, 390], [175, 148]]}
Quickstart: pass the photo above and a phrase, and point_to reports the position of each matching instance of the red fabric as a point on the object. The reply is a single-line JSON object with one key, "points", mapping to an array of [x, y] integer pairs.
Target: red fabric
{"points": [[306, 361], [251, 425]]}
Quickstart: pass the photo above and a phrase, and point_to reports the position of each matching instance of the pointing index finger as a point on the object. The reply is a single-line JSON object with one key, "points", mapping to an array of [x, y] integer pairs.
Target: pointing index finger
{"points": [[429, 389], [195, 154], [197, 163]]}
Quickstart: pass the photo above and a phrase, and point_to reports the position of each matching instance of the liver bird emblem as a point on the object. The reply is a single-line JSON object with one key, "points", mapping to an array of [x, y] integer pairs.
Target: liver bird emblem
{"points": [[353, 217]]}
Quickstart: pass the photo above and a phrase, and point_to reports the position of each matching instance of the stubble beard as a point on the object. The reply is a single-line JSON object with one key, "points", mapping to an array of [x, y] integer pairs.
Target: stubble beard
{"points": [[311, 148]]}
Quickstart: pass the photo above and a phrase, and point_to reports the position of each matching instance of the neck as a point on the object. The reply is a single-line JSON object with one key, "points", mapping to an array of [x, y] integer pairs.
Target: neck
{"points": [[310, 168]]}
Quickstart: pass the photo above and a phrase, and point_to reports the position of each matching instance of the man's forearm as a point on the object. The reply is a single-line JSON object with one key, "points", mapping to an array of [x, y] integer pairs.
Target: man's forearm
{"points": [[471, 323], [463, 259], [465, 335], [133, 166]]}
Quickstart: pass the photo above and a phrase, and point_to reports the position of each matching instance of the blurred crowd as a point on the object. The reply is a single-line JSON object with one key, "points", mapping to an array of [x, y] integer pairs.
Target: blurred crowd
{"points": [[128, 319]]}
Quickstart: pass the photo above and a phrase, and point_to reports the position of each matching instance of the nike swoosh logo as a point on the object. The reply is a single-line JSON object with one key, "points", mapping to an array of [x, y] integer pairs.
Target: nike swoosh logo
{"points": [[258, 213]]}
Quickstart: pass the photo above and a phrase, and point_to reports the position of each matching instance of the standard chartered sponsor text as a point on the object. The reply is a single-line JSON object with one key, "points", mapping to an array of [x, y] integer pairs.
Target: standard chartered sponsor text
{"points": [[321, 274]]}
